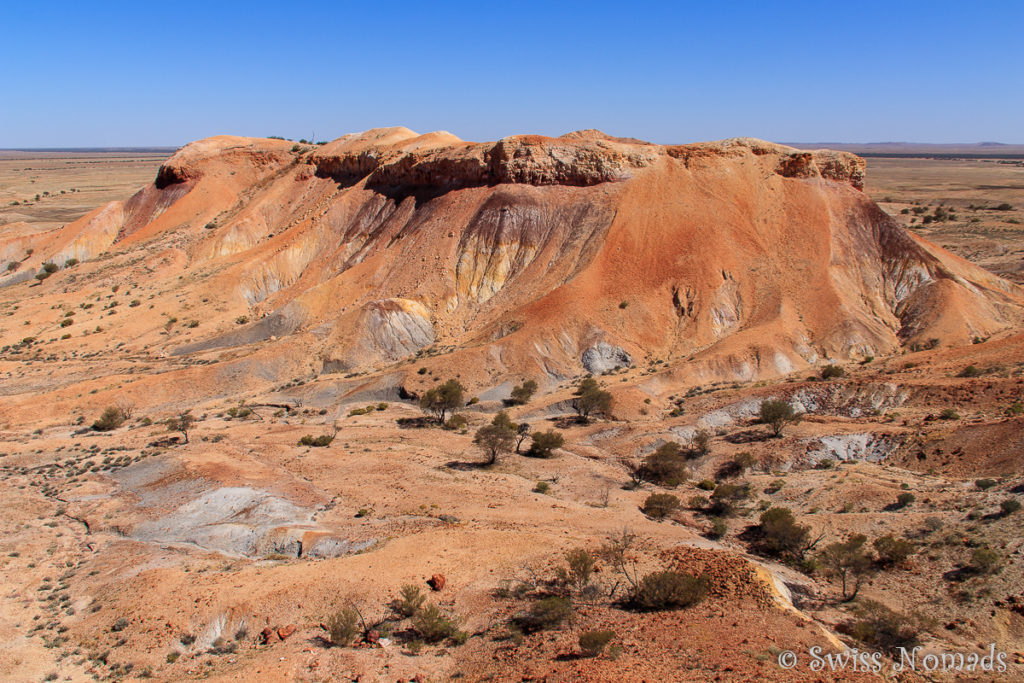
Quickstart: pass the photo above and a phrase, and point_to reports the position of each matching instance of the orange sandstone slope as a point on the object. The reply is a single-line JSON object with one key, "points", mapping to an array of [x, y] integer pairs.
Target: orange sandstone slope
{"points": [[531, 256]]}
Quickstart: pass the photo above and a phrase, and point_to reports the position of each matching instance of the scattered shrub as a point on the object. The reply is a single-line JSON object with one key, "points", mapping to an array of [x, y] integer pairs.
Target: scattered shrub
{"points": [[949, 414], [434, 627], [442, 399], [832, 372], [343, 626], [411, 600], [882, 628], [112, 418], [669, 590], [316, 441], [904, 499], [593, 643], [545, 443], [985, 484], [985, 560], [1009, 506], [781, 535], [778, 414], [970, 371], [660, 505], [891, 550], [591, 399], [665, 466], [542, 487], [522, 393], [456, 422], [544, 614]]}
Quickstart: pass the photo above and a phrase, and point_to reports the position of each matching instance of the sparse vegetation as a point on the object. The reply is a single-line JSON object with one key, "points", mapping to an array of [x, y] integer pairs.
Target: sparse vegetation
{"points": [[522, 393], [112, 418], [545, 443], [593, 643], [660, 505], [443, 399], [778, 414], [343, 626], [591, 399], [665, 590]]}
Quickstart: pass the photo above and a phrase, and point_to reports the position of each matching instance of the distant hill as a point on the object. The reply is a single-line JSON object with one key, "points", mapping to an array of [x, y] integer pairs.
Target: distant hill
{"points": [[974, 150]]}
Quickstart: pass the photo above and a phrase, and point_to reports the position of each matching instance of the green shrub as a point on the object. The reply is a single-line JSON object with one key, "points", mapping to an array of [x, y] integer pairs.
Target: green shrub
{"points": [[892, 550], [882, 628], [545, 443], [970, 371], [112, 418], [1009, 506], [544, 614], [949, 414], [434, 627], [343, 626], [706, 484], [316, 441], [581, 564], [778, 414], [593, 643], [660, 505], [456, 422], [665, 466], [985, 484], [985, 560], [781, 535], [719, 528], [50, 267], [522, 393], [411, 600], [443, 399], [669, 590], [542, 487], [832, 371], [905, 499], [591, 399]]}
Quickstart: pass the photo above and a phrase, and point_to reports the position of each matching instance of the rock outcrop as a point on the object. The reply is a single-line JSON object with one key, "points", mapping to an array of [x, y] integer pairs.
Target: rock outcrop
{"points": [[737, 259]]}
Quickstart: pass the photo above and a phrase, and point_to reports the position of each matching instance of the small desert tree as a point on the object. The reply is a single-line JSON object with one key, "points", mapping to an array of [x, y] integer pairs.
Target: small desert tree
{"points": [[849, 561], [112, 418], [591, 399], [891, 550], [493, 440], [442, 399], [778, 414], [782, 536], [522, 393], [181, 423], [666, 465], [522, 432], [544, 444]]}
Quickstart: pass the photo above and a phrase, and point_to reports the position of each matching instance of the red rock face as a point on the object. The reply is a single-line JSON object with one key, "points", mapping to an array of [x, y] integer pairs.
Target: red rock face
{"points": [[738, 259]]}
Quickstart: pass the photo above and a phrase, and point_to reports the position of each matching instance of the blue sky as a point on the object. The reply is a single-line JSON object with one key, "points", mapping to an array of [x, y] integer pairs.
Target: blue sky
{"points": [[150, 73]]}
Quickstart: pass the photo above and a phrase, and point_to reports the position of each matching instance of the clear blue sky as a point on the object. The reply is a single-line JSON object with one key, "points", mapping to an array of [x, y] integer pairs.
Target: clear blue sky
{"points": [[163, 73]]}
